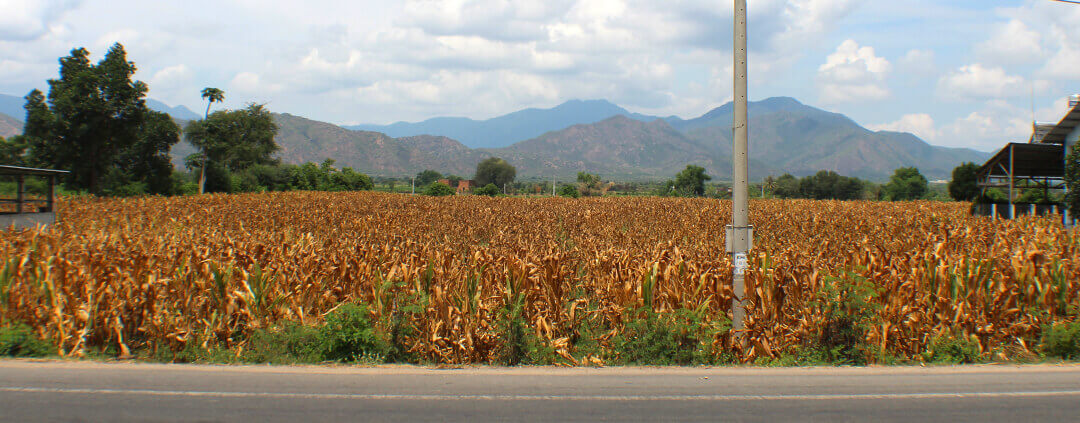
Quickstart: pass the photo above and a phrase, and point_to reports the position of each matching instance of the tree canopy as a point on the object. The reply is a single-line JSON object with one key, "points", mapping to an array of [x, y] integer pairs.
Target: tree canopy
{"points": [[231, 141], [427, 176], [95, 123], [905, 184], [963, 185], [691, 181], [494, 170]]}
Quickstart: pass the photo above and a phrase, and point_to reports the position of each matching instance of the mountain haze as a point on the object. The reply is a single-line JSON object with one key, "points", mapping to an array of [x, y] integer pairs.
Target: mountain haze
{"points": [[178, 112], [786, 136], [617, 147], [9, 126], [12, 106], [507, 129]]}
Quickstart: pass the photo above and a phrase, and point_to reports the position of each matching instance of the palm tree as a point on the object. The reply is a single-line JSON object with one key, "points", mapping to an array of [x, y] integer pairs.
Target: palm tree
{"points": [[212, 95]]}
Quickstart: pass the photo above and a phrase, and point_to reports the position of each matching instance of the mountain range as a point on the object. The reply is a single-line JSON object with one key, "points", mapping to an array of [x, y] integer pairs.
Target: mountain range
{"points": [[510, 128], [599, 137]]}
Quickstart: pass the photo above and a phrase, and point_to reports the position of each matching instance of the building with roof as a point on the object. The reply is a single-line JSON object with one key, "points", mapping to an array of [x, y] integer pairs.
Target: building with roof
{"points": [[1037, 164], [26, 209]]}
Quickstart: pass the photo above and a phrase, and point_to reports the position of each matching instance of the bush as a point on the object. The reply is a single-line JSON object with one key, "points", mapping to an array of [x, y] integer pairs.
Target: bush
{"points": [[848, 304], [489, 190], [439, 189], [569, 191], [288, 344], [348, 335], [18, 340], [1061, 340], [952, 348], [682, 337]]}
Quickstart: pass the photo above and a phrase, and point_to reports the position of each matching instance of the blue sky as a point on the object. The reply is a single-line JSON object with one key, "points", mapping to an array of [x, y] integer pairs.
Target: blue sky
{"points": [[956, 73]]}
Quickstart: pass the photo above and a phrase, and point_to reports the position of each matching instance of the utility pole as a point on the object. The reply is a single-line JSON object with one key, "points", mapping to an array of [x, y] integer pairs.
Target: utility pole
{"points": [[552, 185], [739, 233], [414, 185]]}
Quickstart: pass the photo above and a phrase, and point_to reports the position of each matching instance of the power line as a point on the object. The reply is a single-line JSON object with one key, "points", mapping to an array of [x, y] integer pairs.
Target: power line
{"points": [[1068, 1]]}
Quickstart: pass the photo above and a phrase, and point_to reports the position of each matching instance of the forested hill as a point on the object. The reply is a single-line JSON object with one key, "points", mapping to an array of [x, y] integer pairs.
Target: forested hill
{"points": [[9, 126], [786, 137]]}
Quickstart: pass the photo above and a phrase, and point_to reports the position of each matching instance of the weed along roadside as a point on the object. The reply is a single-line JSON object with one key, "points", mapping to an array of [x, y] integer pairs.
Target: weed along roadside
{"points": [[371, 278]]}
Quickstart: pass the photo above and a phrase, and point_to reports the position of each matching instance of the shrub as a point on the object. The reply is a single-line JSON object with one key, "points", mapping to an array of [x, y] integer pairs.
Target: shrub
{"points": [[682, 337], [847, 303], [439, 189], [489, 190], [569, 191], [1061, 340], [348, 335], [287, 344], [18, 340], [952, 348]]}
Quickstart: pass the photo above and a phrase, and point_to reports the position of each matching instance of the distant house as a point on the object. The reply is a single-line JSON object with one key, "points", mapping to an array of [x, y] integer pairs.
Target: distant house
{"points": [[1036, 164], [444, 182], [465, 186]]}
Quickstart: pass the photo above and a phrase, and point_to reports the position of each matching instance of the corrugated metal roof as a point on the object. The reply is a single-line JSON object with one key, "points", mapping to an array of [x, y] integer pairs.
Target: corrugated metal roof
{"points": [[1028, 161], [1040, 131], [1064, 127]]}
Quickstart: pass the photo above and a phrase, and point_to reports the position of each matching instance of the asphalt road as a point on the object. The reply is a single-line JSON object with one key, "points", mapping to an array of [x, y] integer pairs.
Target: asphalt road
{"points": [[98, 392]]}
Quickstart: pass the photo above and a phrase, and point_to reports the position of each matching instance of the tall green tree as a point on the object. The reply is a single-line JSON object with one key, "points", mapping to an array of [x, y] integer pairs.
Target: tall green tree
{"points": [[494, 170], [906, 183], [963, 186], [13, 151], [95, 115], [428, 176], [786, 186], [691, 181], [231, 141], [211, 95]]}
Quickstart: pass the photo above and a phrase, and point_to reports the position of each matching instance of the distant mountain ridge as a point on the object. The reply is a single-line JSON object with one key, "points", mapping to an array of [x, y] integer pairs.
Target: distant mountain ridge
{"points": [[9, 126], [507, 129], [178, 112], [786, 137], [12, 106]]}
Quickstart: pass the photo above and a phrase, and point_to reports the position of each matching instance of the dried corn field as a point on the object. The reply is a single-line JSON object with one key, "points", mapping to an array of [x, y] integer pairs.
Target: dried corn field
{"points": [[167, 273]]}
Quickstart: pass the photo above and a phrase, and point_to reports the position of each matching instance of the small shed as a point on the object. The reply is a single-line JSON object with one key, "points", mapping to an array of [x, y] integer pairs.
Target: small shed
{"points": [[1036, 164], [21, 209]]}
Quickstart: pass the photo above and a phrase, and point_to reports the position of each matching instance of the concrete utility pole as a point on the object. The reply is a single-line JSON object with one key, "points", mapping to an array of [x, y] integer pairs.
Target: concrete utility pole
{"points": [[740, 232]]}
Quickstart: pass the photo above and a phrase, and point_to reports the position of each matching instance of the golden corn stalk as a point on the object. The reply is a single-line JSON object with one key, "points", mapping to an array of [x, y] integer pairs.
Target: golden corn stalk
{"points": [[161, 273]]}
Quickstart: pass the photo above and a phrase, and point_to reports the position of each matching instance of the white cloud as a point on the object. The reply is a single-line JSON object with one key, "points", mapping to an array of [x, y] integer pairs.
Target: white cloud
{"points": [[171, 77], [1012, 43], [979, 82], [1065, 61], [920, 124], [988, 128], [250, 83], [811, 18], [853, 74], [23, 20], [919, 62], [312, 58]]}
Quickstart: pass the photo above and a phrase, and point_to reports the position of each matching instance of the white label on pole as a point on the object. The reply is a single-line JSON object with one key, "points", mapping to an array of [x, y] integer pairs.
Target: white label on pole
{"points": [[740, 263]]}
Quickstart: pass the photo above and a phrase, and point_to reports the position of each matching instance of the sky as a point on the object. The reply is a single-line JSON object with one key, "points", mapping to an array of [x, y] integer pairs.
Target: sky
{"points": [[964, 73]]}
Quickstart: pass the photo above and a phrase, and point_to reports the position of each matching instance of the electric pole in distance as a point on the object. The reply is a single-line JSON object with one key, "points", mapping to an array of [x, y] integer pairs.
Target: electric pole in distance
{"points": [[739, 234]]}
